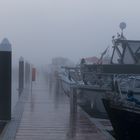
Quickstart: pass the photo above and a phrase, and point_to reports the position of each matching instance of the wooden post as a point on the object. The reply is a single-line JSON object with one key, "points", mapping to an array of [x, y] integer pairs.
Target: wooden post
{"points": [[33, 74], [27, 74], [5, 80], [21, 75], [73, 100]]}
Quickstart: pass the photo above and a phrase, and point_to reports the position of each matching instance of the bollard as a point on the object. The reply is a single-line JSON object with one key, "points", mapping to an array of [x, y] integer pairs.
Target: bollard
{"points": [[21, 75], [5, 80], [33, 74]]}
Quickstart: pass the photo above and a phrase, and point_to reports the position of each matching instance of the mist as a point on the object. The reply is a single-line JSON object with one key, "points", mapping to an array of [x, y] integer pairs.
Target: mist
{"points": [[40, 30]]}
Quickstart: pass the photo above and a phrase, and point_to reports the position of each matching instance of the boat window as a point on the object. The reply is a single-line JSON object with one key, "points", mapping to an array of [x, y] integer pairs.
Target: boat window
{"points": [[116, 57], [120, 47], [128, 58], [134, 46]]}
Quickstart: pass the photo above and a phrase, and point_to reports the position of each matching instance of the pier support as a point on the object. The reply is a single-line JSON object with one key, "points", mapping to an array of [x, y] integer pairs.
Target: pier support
{"points": [[73, 100], [5, 80], [73, 112], [21, 75]]}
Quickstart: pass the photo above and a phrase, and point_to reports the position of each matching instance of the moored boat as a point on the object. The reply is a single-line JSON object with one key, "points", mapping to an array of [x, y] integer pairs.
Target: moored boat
{"points": [[124, 114]]}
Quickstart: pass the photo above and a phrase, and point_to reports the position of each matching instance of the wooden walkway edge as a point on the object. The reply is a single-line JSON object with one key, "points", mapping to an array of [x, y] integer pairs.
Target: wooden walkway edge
{"points": [[10, 129]]}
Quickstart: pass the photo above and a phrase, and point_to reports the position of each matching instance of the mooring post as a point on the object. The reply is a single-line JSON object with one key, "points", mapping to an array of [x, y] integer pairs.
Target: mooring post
{"points": [[5, 80], [73, 100], [21, 75], [33, 74], [27, 74], [73, 111]]}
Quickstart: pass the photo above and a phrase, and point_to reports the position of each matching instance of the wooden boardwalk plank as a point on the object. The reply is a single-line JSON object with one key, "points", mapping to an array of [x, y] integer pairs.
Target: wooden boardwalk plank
{"points": [[46, 116]]}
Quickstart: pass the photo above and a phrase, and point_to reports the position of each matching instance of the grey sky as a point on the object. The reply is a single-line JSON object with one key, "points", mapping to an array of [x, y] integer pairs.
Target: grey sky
{"points": [[42, 29]]}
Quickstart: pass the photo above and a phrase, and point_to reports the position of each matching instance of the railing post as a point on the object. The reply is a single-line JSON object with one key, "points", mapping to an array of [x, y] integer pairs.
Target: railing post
{"points": [[73, 100], [73, 111], [21, 75], [5, 80]]}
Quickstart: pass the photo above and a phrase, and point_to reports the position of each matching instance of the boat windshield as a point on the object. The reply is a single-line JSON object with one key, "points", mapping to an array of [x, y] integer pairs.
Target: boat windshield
{"points": [[126, 52]]}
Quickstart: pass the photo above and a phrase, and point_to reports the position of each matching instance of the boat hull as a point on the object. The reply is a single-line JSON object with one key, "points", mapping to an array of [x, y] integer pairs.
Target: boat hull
{"points": [[66, 86], [89, 100], [126, 123]]}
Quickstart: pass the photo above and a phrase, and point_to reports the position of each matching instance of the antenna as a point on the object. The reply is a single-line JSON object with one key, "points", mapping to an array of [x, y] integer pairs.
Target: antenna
{"points": [[122, 27]]}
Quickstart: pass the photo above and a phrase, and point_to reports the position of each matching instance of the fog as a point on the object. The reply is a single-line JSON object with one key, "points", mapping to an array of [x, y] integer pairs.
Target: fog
{"points": [[42, 29]]}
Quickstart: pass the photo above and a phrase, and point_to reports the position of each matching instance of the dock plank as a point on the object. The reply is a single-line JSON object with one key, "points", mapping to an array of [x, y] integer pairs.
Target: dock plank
{"points": [[47, 116]]}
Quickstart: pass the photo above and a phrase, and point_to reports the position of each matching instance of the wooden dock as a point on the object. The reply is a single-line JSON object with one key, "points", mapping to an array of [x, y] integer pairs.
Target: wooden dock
{"points": [[45, 115]]}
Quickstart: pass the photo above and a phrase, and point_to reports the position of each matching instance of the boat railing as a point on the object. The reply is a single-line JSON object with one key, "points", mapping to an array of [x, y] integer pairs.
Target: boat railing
{"points": [[72, 74], [100, 80]]}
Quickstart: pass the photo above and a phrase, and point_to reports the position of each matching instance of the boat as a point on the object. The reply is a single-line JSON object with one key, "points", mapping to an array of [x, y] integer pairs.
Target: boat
{"points": [[124, 65], [123, 102], [90, 89], [96, 79], [124, 115]]}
